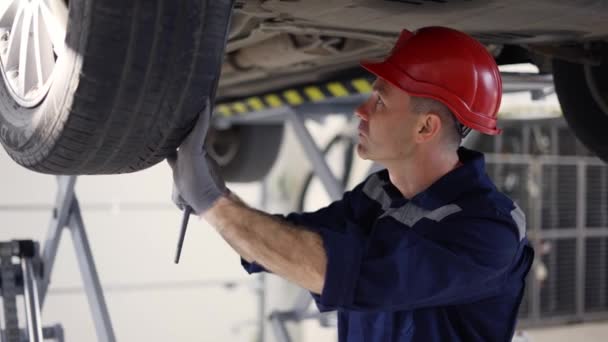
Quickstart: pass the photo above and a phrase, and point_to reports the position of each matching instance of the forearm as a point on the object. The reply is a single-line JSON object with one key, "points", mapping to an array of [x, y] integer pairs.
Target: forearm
{"points": [[288, 251]]}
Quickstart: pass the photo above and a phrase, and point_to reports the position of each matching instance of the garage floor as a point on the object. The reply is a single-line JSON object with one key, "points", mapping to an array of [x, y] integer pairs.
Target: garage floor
{"points": [[588, 332]]}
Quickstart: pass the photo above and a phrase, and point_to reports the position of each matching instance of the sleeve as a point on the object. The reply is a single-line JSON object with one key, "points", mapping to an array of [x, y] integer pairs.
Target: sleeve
{"points": [[252, 267], [405, 269]]}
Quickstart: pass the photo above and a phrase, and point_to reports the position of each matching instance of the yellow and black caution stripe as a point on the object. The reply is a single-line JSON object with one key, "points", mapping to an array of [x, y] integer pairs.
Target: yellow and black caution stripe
{"points": [[295, 96]]}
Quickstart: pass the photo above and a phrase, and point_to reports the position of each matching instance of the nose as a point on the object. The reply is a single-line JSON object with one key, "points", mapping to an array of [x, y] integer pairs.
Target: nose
{"points": [[363, 111]]}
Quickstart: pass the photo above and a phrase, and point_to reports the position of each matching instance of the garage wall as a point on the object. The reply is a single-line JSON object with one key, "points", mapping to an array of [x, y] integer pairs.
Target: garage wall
{"points": [[133, 229]]}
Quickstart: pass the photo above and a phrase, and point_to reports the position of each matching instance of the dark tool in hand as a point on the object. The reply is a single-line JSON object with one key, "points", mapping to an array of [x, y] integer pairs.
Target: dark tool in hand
{"points": [[197, 184], [182, 232]]}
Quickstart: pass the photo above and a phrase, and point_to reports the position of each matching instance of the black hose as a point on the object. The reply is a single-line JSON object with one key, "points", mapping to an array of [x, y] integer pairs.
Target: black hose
{"points": [[348, 162]]}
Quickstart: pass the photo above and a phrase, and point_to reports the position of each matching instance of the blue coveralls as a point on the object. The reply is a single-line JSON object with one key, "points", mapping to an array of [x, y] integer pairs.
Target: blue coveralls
{"points": [[447, 265]]}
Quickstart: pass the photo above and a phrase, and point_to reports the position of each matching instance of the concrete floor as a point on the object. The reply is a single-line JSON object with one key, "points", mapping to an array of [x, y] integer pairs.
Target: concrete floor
{"points": [[587, 332]]}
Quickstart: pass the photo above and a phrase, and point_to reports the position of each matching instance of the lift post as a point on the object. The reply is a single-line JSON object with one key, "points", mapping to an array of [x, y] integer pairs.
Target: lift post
{"points": [[20, 271]]}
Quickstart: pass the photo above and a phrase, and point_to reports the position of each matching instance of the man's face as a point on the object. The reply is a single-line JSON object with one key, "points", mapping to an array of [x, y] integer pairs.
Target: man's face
{"points": [[387, 125]]}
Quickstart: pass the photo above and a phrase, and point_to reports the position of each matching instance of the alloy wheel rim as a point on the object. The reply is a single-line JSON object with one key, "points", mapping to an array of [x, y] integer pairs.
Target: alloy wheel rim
{"points": [[32, 34]]}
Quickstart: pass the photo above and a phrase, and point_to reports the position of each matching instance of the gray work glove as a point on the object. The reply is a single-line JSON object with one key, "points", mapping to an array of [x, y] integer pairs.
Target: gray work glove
{"points": [[196, 179]]}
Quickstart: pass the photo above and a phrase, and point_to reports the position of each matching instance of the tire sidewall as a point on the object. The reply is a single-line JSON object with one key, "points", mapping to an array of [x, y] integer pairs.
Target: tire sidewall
{"points": [[28, 132], [583, 115]]}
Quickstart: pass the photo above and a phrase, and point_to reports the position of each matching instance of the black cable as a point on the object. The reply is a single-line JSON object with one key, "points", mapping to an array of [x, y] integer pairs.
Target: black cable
{"points": [[348, 162]]}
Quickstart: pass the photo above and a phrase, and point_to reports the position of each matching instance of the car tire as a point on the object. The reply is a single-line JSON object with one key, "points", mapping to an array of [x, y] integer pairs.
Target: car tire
{"points": [[246, 153], [583, 95], [127, 86]]}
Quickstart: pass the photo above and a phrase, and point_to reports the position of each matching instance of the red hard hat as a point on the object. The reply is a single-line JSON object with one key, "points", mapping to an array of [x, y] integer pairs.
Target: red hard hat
{"points": [[448, 66]]}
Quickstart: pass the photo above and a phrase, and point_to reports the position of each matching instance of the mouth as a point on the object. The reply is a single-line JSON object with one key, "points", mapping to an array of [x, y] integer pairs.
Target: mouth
{"points": [[363, 128]]}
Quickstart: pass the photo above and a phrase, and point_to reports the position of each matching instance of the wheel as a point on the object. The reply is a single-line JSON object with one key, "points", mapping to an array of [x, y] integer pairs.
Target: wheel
{"points": [[583, 95], [245, 153], [103, 87]]}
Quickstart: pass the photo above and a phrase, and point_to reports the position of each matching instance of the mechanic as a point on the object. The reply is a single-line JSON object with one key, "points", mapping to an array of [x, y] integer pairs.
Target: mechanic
{"points": [[426, 249]]}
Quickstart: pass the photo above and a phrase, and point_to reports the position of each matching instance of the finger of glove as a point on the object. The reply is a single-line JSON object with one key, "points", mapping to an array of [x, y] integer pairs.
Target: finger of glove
{"points": [[195, 140]]}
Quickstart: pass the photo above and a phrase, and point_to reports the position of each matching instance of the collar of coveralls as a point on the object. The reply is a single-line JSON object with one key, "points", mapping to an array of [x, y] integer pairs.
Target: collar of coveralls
{"points": [[469, 175]]}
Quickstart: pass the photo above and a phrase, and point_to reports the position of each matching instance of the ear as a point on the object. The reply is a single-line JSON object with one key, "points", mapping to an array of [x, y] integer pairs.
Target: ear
{"points": [[428, 127]]}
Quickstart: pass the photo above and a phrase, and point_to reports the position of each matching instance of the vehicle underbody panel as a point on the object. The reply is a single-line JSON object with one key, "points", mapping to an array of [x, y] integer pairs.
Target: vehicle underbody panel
{"points": [[275, 44]]}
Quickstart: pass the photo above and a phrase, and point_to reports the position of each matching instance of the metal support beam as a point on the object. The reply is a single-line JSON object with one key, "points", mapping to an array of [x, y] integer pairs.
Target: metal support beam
{"points": [[581, 214], [66, 214], [92, 285], [314, 154], [536, 211], [301, 305], [65, 195], [277, 321], [32, 303], [314, 111]]}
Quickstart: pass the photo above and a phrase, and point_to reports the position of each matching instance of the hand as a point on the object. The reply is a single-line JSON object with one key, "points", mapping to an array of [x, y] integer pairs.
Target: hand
{"points": [[196, 178]]}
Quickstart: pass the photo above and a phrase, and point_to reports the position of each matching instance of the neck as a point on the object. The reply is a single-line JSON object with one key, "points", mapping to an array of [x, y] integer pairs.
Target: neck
{"points": [[414, 175]]}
